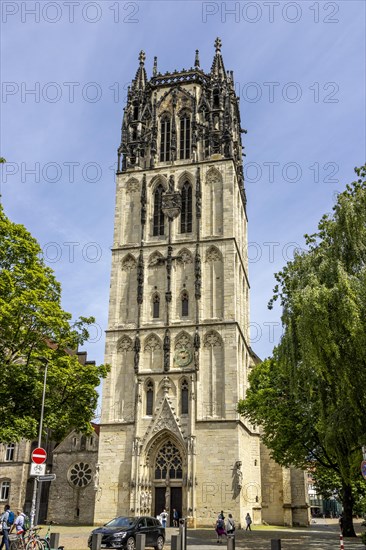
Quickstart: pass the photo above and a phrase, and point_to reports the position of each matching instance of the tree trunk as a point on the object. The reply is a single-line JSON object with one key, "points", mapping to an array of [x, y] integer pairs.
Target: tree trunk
{"points": [[347, 521]]}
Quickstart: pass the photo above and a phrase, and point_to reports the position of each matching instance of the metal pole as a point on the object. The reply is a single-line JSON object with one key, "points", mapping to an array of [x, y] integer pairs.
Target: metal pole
{"points": [[33, 518]]}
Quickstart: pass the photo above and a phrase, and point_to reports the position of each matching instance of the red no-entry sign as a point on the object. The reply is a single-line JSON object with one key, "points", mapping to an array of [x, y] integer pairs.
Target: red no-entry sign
{"points": [[39, 455]]}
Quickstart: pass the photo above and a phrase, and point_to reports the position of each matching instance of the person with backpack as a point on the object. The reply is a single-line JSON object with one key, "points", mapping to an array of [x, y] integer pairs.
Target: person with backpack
{"points": [[220, 527], [19, 524], [230, 525], [7, 520]]}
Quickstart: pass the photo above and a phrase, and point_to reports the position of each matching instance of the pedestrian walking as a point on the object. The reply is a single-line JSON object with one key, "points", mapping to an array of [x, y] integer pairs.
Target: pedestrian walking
{"points": [[175, 518], [230, 525], [164, 517], [220, 527], [248, 520], [5, 526], [18, 524]]}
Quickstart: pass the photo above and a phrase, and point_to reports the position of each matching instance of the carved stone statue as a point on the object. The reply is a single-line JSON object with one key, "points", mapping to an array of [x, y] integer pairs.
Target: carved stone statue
{"points": [[96, 477], [239, 475], [167, 492], [143, 500]]}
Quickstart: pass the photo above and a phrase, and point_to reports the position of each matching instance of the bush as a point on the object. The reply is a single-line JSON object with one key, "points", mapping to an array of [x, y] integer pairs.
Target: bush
{"points": [[363, 537]]}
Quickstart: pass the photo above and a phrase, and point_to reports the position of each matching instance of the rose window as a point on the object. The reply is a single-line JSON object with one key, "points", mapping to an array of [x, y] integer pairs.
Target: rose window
{"points": [[80, 474]]}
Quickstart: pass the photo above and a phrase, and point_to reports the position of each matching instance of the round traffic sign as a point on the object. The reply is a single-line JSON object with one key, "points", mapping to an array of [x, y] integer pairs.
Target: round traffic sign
{"points": [[39, 455]]}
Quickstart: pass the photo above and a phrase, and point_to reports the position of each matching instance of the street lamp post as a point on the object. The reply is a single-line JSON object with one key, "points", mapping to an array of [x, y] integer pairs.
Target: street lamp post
{"points": [[34, 510]]}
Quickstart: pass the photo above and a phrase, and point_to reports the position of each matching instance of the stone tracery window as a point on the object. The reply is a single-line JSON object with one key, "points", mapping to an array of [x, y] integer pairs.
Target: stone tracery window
{"points": [[184, 397], [156, 305], [185, 136], [165, 138], [186, 212], [185, 303], [80, 474], [158, 228], [168, 462], [149, 398]]}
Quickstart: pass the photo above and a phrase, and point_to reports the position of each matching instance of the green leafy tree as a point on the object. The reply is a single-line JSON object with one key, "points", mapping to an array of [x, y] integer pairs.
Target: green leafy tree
{"points": [[34, 329], [310, 396]]}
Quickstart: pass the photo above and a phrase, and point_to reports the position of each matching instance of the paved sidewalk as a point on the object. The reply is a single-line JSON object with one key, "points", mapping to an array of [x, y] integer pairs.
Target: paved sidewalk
{"points": [[319, 536]]}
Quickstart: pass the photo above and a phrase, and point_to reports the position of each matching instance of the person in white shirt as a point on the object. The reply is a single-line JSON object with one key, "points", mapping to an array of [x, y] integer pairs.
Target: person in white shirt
{"points": [[18, 523]]}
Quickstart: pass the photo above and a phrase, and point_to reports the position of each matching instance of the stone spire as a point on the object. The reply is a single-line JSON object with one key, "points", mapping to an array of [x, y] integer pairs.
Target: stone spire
{"points": [[197, 60], [155, 68], [218, 69], [141, 77]]}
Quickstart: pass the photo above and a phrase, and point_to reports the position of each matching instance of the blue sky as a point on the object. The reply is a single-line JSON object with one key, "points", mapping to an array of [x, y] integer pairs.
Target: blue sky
{"points": [[299, 69]]}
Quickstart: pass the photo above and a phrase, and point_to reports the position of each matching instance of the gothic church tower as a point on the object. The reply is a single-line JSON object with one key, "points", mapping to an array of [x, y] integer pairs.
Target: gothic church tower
{"points": [[178, 332]]}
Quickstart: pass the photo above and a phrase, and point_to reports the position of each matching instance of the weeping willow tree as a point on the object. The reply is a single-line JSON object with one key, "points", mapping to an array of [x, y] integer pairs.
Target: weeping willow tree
{"points": [[310, 396]]}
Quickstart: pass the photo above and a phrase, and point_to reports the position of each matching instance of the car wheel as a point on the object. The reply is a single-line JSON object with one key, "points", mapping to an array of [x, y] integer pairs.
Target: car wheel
{"points": [[159, 543], [130, 544]]}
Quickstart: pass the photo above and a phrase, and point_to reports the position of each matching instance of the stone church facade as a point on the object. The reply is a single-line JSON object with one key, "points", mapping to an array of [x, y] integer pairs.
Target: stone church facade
{"points": [[178, 332]]}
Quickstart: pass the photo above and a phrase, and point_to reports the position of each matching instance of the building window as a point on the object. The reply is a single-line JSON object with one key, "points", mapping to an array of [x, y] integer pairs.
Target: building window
{"points": [[9, 452], [184, 397], [149, 398], [185, 137], [4, 490], [168, 462], [156, 306], [80, 474], [135, 110], [216, 99], [158, 213], [165, 139], [186, 212], [185, 302]]}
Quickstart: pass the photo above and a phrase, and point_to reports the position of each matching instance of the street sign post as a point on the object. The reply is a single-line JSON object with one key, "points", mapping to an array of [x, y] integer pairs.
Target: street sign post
{"points": [[37, 469], [47, 477], [39, 455]]}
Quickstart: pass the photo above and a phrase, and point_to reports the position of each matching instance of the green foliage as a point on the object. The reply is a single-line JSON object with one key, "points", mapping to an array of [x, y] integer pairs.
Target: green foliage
{"points": [[34, 329], [309, 397], [363, 537]]}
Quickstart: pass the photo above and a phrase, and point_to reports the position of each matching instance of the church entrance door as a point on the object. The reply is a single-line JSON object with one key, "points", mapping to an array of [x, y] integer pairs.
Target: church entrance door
{"points": [[159, 500], [175, 502]]}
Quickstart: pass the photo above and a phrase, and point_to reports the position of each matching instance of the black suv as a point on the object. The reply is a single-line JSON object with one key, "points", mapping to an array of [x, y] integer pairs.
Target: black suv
{"points": [[121, 532]]}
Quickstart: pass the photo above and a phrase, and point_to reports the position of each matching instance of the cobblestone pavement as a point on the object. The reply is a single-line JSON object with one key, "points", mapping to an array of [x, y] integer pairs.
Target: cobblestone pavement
{"points": [[323, 536]]}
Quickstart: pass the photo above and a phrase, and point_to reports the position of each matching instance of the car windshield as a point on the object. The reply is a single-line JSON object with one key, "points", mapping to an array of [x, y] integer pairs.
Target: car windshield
{"points": [[121, 522]]}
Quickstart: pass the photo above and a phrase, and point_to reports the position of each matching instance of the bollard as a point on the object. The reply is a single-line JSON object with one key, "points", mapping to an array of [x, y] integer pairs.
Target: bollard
{"points": [[183, 533], [275, 544], [175, 542], [230, 539], [341, 544], [96, 541], [140, 541], [55, 540]]}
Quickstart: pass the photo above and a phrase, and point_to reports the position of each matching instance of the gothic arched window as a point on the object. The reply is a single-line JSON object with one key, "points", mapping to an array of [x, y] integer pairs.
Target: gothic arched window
{"points": [[135, 110], [186, 212], [168, 462], [185, 304], [184, 397], [156, 305], [216, 98], [149, 398], [165, 138], [185, 137], [158, 213]]}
